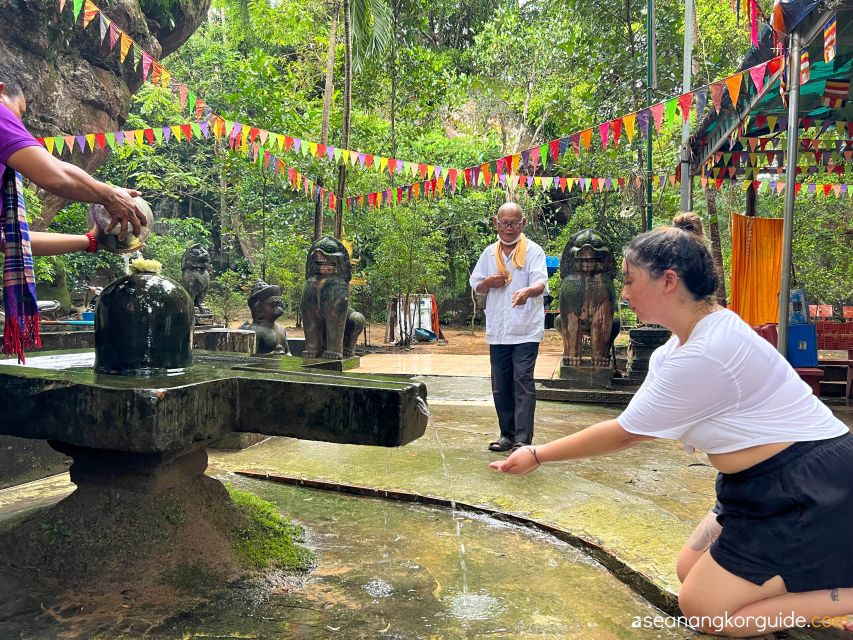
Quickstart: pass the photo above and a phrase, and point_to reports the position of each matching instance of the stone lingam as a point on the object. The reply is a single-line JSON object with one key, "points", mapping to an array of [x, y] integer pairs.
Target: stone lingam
{"points": [[135, 415]]}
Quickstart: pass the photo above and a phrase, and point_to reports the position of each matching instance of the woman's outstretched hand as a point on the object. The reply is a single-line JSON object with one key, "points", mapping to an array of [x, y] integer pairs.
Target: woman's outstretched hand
{"points": [[519, 462]]}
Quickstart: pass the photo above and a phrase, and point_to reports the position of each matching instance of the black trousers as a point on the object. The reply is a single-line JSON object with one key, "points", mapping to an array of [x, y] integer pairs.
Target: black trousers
{"points": [[513, 388]]}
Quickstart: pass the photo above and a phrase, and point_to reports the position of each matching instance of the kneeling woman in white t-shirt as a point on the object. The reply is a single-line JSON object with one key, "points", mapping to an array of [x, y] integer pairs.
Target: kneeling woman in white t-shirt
{"points": [[778, 541]]}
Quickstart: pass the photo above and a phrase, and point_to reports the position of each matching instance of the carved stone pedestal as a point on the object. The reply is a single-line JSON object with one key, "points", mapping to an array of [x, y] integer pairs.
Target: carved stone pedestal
{"points": [[644, 340], [586, 377]]}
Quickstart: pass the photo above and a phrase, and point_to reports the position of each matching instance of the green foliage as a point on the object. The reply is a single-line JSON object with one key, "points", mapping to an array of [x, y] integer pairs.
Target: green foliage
{"points": [[267, 539], [227, 297]]}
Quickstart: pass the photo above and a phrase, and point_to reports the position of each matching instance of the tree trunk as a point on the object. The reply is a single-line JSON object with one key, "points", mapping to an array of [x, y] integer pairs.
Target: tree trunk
{"points": [[716, 245], [342, 169], [327, 107]]}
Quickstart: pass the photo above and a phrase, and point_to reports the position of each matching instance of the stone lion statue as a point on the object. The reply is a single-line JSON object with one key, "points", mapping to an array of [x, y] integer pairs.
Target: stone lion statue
{"points": [[587, 298], [195, 274], [331, 326]]}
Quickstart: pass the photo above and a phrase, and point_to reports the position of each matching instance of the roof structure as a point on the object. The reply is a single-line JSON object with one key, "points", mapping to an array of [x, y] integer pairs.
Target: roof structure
{"points": [[749, 119]]}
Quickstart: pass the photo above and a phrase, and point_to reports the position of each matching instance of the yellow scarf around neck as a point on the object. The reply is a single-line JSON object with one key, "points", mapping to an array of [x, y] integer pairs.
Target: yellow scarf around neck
{"points": [[518, 257]]}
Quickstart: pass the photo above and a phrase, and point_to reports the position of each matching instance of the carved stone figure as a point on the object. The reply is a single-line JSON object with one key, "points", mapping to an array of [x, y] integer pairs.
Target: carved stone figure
{"points": [[587, 298], [331, 326], [265, 305], [195, 274]]}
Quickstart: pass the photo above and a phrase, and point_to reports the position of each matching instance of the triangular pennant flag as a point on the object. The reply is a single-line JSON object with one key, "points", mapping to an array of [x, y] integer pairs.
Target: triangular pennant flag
{"points": [[629, 122], [616, 125], [114, 36], [604, 132], [670, 109], [104, 27], [716, 89], [137, 55], [771, 123], [733, 83], [62, 142], [125, 45], [586, 138], [685, 102], [701, 101], [81, 142], [158, 134], [49, 144], [757, 75], [111, 139], [61, 5], [78, 5], [657, 114]]}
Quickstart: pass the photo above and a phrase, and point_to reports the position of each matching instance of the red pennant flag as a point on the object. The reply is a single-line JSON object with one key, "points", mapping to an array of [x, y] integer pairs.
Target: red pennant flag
{"points": [[685, 101], [616, 125], [797, 188], [149, 135], [187, 130], [467, 173], [392, 165], [288, 142], [101, 139], [826, 189], [554, 148], [321, 150], [563, 184], [774, 64]]}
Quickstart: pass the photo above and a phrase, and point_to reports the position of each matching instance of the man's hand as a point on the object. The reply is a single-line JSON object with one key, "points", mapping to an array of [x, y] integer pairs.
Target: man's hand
{"points": [[493, 282], [123, 210], [521, 296], [519, 462]]}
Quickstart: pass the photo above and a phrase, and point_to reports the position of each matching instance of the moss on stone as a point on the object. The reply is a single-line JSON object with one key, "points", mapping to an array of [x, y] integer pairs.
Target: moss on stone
{"points": [[195, 578], [267, 540]]}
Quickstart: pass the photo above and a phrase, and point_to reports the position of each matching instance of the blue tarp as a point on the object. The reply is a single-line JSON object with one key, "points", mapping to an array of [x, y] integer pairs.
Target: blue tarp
{"points": [[793, 12]]}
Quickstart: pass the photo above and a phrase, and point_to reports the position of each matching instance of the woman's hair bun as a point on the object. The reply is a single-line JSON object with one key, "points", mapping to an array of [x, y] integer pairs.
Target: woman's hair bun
{"points": [[691, 222]]}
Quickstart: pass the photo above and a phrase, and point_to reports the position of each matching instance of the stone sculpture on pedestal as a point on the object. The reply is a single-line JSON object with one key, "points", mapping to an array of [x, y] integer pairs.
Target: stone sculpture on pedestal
{"points": [[331, 326], [587, 303], [195, 274], [265, 305]]}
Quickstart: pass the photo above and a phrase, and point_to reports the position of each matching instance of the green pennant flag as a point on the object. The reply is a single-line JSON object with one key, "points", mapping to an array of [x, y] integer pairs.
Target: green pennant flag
{"points": [[543, 154], [670, 107], [727, 158], [196, 129], [78, 5], [137, 56], [60, 144], [111, 139], [191, 105], [303, 149], [158, 134], [338, 153]]}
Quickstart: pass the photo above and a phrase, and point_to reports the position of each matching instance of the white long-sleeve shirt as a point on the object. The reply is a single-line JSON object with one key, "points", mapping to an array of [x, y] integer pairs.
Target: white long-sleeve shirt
{"points": [[505, 324]]}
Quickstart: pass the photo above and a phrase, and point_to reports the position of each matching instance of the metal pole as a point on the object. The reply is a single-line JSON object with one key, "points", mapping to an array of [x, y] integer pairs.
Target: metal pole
{"points": [[686, 178], [650, 87], [790, 181]]}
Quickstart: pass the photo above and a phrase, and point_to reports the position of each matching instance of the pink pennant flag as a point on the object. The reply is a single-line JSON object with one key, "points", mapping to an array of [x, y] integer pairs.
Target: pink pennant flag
{"points": [[61, 5], [604, 131], [657, 114], [146, 65], [757, 75]]}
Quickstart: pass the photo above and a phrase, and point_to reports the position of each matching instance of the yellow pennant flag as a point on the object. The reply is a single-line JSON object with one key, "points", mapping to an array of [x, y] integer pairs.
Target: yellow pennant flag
{"points": [[137, 136], [125, 45], [771, 123], [90, 12], [440, 185], [430, 171], [383, 162], [570, 182], [537, 180], [629, 122], [90, 141], [279, 140], [176, 131], [164, 79], [312, 149], [516, 158], [48, 143], [345, 155]]}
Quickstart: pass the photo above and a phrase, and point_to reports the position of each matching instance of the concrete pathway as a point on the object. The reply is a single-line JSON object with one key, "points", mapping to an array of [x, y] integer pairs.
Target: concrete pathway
{"points": [[428, 364]]}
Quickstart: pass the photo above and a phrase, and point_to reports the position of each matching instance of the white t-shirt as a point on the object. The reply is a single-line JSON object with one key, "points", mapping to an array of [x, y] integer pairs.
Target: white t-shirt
{"points": [[724, 390], [505, 324]]}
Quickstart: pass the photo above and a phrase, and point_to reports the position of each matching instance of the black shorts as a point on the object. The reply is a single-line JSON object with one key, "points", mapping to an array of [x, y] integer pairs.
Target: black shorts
{"points": [[792, 516]]}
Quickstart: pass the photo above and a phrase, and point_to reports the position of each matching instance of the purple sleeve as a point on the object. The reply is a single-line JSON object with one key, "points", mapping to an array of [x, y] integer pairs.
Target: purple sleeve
{"points": [[13, 135]]}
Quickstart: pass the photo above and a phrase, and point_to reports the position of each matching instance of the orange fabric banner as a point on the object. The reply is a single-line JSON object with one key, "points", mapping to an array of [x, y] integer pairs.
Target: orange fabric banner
{"points": [[756, 268]]}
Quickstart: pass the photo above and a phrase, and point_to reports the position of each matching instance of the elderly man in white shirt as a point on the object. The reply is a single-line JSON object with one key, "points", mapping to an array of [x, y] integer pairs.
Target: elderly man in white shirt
{"points": [[512, 274]]}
